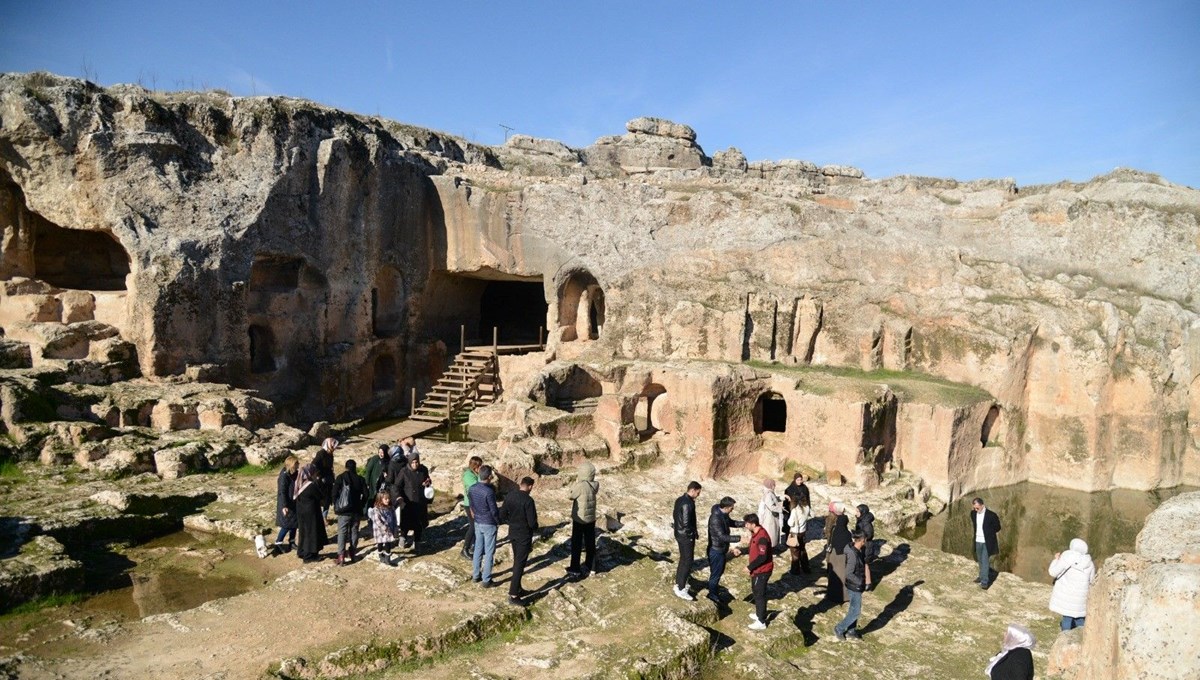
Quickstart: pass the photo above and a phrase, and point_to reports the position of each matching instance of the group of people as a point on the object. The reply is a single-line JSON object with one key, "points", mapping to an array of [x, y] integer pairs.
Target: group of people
{"points": [[395, 491]]}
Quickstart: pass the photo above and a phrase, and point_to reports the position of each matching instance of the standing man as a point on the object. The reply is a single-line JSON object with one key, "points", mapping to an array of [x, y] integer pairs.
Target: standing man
{"points": [[583, 520], [762, 562], [986, 524], [521, 514], [858, 579], [470, 476], [374, 471], [686, 533], [349, 498], [487, 521], [719, 539]]}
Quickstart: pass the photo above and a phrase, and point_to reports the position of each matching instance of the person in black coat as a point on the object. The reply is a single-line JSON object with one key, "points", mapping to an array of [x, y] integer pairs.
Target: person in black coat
{"points": [[323, 462], [285, 505], [838, 531], [349, 496], [310, 521], [866, 524], [985, 524], [683, 520], [719, 538], [1015, 660], [520, 512], [410, 487]]}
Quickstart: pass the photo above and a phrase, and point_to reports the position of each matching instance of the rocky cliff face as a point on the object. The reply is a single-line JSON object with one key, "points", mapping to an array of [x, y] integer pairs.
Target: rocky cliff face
{"points": [[329, 259]]}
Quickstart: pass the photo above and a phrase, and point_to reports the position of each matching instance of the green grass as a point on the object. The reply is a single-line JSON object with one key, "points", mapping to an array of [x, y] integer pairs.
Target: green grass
{"points": [[249, 470], [912, 384], [46, 602], [10, 470]]}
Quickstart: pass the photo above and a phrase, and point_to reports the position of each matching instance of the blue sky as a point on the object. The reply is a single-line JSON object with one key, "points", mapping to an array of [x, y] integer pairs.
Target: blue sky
{"points": [[1037, 91]]}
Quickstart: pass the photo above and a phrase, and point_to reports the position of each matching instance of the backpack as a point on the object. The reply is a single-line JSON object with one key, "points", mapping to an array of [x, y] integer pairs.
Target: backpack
{"points": [[344, 503]]}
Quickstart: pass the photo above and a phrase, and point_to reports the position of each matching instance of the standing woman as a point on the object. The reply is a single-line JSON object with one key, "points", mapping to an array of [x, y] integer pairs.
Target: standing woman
{"points": [[797, 526], [310, 519], [323, 462], [414, 513], [470, 477], [285, 505], [769, 508], [1073, 573], [837, 531]]}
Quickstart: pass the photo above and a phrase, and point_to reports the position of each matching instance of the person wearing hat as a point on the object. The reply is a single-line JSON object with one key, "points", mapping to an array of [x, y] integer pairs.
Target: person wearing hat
{"points": [[487, 522], [719, 538]]}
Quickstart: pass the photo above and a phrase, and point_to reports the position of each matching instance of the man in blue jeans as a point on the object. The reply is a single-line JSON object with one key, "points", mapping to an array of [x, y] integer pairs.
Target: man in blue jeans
{"points": [[487, 520], [986, 525], [719, 539], [858, 579]]}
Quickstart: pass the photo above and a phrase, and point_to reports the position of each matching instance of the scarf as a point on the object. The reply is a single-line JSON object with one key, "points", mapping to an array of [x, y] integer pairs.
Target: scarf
{"points": [[1016, 636], [307, 474]]}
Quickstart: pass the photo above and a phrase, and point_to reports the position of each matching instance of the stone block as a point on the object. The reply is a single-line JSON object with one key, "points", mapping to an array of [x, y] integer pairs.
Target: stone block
{"points": [[14, 354], [77, 305]]}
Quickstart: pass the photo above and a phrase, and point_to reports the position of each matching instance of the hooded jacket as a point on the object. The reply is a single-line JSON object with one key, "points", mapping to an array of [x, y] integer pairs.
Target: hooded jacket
{"points": [[583, 494], [1073, 573], [866, 522]]}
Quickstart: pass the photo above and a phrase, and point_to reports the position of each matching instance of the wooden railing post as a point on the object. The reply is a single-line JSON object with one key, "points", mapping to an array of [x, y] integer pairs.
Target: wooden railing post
{"points": [[462, 338], [540, 336], [495, 340], [412, 402]]}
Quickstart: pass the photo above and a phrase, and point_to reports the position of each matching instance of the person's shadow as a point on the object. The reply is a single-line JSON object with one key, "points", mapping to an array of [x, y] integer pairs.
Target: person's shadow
{"points": [[897, 605], [804, 619], [883, 567]]}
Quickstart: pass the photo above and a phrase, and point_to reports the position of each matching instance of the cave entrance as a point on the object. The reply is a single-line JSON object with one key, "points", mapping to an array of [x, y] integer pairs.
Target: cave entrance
{"points": [[989, 423], [517, 309], [262, 350], [581, 307], [770, 413], [78, 259], [514, 305], [648, 411]]}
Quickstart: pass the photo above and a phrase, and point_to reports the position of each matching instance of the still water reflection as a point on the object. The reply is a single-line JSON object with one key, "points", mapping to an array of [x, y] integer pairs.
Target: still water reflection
{"points": [[1039, 521]]}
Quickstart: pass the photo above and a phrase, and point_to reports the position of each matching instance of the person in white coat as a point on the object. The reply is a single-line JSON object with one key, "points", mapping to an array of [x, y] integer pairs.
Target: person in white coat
{"points": [[768, 511], [1073, 573]]}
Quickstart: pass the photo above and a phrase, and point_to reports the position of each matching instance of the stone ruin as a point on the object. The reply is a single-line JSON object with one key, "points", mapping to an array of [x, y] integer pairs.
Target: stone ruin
{"points": [[178, 263]]}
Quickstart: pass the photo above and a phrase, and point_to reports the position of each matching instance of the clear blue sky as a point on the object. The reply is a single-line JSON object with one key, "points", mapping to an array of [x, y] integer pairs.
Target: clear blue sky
{"points": [[1037, 91]]}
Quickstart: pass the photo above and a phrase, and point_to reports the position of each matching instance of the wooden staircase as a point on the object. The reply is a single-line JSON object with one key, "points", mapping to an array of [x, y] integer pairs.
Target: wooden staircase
{"points": [[472, 380]]}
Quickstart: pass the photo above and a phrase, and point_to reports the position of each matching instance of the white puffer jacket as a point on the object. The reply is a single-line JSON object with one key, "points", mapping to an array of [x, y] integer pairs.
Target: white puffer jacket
{"points": [[1073, 573]]}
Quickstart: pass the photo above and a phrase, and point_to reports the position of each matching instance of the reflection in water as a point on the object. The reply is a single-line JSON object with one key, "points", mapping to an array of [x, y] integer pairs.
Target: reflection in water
{"points": [[1039, 521]]}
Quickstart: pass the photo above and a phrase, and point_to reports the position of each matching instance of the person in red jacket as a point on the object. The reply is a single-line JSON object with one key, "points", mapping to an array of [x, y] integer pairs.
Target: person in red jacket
{"points": [[762, 562]]}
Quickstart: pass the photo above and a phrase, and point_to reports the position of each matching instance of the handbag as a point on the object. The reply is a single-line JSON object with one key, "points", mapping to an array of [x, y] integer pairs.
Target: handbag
{"points": [[793, 541], [429, 493]]}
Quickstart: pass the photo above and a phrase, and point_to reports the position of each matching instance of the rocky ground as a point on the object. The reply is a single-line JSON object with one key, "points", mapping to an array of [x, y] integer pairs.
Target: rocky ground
{"points": [[925, 619]]}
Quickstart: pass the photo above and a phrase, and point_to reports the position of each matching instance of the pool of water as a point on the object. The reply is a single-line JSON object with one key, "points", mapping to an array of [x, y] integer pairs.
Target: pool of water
{"points": [[1038, 521], [455, 433]]}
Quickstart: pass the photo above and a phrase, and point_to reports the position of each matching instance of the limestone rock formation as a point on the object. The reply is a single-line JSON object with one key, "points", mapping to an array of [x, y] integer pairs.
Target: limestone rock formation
{"points": [[330, 262]]}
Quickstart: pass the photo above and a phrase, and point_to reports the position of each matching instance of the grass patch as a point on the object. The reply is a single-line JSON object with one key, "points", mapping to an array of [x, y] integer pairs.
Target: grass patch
{"points": [[46, 602], [250, 470], [909, 385], [10, 470]]}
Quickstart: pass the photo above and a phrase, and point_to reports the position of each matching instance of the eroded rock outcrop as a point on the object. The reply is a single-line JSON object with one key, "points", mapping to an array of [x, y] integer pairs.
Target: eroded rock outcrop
{"points": [[330, 260]]}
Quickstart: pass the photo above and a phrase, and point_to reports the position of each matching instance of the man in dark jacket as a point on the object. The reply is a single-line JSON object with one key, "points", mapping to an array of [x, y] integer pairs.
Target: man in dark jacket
{"points": [[761, 558], [986, 524], [719, 539], [858, 579], [866, 524], [686, 533], [487, 520], [349, 497], [520, 513]]}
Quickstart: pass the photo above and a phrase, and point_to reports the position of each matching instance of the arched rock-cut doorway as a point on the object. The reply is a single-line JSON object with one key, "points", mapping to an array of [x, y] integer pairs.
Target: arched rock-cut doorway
{"points": [[262, 349], [989, 423], [383, 377], [648, 412], [580, 307], [770, 413]]}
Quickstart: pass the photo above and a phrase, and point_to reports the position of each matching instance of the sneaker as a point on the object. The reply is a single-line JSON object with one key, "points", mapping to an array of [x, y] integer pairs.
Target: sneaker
{"points": [[757, 625], [489, 584], [383, 558], [753, 616], [476, 578], [714, 598], [515, 601], [838, 637], [341, 560], [853, 635], [683, 595]]}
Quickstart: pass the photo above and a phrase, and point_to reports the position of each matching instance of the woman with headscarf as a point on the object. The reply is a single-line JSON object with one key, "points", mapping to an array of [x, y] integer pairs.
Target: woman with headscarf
{"points": [[285, 505], [837, 535], [310, 520], [769, 507], [1015, 660], [797, 529], [1073, 573], [323, 462], [414, 513]]}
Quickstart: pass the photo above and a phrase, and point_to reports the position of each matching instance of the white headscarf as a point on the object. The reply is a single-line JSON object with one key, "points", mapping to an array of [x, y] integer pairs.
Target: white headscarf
{"points": [[1016, 636]]}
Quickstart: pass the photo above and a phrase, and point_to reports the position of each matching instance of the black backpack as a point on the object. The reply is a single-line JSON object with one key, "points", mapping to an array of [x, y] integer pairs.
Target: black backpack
{"points": [[344, 503]]}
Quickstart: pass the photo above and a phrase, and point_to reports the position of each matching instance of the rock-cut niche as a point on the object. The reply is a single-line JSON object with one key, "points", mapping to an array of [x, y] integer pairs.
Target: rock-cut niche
{"points": [[262, 349], [770, 413], [580, 307], [389, 303], [384, 375], [648, 411]]}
